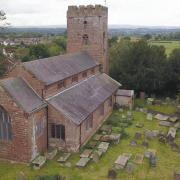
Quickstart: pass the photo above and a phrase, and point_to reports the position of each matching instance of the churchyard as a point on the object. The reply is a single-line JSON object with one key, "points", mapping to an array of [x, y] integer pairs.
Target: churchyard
{"points": [[139, 144]]}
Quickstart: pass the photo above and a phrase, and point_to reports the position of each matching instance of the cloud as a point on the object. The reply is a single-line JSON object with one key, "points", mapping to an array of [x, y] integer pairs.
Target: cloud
{"points": [[53, 12]]}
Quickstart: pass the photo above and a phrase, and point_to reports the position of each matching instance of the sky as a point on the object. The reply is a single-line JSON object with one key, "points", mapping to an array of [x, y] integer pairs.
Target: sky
{"points": [[121, 12]]}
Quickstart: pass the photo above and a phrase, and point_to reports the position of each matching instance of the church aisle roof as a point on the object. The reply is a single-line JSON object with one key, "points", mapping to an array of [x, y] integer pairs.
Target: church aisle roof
{"points": [[78, 102], [53, 69], [22, 94]]}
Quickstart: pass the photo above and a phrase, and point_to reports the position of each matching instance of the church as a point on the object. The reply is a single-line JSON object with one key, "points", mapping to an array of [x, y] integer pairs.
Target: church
{"points": [[61, 101]]}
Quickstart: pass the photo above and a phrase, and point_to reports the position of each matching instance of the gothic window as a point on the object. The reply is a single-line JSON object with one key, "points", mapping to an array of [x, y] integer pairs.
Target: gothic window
{"points": [[5, 125], [85, 39], [58, 131], [85, 24]]}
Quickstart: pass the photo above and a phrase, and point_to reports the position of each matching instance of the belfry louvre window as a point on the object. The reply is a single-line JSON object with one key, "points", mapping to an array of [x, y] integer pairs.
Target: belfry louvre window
{"points": [[58, 131], [85, 39], [5, 125]]}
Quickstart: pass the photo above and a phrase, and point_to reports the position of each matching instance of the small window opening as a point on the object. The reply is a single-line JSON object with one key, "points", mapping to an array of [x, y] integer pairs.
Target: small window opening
{"points": [[85, 39]]}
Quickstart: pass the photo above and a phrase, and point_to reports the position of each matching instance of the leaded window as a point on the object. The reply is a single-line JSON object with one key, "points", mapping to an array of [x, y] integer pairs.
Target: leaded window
{"points": [[5, 125]]}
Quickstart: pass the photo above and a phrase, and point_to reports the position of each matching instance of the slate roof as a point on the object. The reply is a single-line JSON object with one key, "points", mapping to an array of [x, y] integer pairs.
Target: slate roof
{"points": [[22, 94], [53, 69], [123, 92], [79, 101]]}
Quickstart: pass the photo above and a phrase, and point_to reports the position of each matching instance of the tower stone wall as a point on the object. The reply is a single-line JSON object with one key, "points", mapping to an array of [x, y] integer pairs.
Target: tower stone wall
{"points": [[87, 28]]}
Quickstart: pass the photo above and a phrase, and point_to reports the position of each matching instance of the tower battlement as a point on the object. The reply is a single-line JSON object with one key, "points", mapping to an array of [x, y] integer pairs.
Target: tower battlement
{"points": [[89, 10]]}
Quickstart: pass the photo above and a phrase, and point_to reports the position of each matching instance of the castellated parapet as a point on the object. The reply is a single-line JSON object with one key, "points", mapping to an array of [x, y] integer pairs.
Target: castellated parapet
{"points": [[90, 10]]}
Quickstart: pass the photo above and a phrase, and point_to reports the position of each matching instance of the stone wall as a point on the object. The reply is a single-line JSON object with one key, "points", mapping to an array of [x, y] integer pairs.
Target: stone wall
{"points": [[87, 28]]}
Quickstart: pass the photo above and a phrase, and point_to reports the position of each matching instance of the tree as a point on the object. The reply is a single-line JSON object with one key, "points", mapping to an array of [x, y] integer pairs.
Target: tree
{"points": [[138, 66], [3, 22], [173, 72], [2, 63], [39, 51]]}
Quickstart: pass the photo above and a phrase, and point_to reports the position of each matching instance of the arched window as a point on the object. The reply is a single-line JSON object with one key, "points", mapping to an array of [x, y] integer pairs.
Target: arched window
{"points": [[85, 24], [85, 39], [5, 125]]}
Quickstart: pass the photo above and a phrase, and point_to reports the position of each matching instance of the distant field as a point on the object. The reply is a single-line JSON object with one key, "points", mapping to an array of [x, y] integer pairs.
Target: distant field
{"points": [[169, 45]]}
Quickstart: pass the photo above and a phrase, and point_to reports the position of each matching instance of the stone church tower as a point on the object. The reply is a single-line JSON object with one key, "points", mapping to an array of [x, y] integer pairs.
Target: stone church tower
{"points": [[87, 28]]}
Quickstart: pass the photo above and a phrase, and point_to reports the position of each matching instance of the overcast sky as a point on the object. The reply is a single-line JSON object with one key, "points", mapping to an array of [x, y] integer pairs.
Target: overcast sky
{"points": [[121, 12]]}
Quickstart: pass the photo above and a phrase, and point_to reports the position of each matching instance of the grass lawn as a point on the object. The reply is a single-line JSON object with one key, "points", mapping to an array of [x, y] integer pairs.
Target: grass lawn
{"points": [[167, 160], [169, 45]]}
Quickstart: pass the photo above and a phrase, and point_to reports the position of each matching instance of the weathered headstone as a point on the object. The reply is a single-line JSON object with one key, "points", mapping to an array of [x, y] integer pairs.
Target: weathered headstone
{"points": [[148, 134], [173, 119], [139, 125], [82, 162], [97, 137], [51, 153], [96, 155], [133, 143], [165, 123], [103, 146], [112, 174], [121, 162], [162, 117], [64, 157], [148, 153], [150, 101], [152, 160], [171, 134], [149, 117], [177, 125], [86, 153], [39, 162], [139, 158]]}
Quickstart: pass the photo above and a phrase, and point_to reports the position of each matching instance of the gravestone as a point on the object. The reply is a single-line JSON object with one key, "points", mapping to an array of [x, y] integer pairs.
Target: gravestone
{"points": [[149, 117], [139, 125], [177, 125], [96, 155], [133, 143], [171, 134], [128, 155], [139, 158], [148, 153], [106, 129], [178, 110], [162, 117], [112, 174], [173, 119], [86, 153], [103, 146], [138, 135], [148, 134], [97, 137], [152, 160], [82, 162], [51, 154], [39, 162], [121, 162], [165, 123], [162, 139], [150, 101], [63, 157], [130, 167], [155, 133]]}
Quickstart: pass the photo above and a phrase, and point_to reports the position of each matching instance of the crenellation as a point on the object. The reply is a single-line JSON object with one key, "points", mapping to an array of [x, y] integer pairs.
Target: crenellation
{"points": [[89, 10]]}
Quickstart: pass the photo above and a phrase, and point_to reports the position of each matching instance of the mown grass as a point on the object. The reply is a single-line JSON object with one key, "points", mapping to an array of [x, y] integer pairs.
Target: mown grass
{"points": [[167, 160], [169, 45]]}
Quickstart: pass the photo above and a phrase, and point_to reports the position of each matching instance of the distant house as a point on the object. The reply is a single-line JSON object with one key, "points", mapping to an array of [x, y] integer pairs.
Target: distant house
{"points": [[125, 98], [59, 101]]}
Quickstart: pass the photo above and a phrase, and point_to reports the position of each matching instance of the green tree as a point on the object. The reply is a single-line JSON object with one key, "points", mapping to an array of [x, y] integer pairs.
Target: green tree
{"points": [[2, 63], [138, 66], [173, 72], [39, 51]]}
